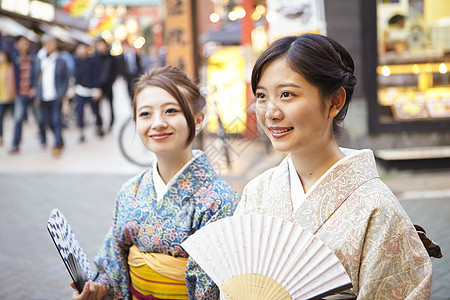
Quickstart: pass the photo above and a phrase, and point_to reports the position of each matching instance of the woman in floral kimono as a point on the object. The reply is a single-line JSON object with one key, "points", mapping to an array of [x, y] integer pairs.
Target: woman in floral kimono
{"points": [[303, 86], [157, 210]]}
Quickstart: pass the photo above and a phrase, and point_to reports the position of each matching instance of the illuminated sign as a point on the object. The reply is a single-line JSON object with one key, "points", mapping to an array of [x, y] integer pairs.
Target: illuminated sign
{"points": [[21, 7], [226, 89], [42, 10]]}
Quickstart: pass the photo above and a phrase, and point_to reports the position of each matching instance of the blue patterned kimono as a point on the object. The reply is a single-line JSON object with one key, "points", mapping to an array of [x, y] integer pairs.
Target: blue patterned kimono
{"points": [[196, 198]]}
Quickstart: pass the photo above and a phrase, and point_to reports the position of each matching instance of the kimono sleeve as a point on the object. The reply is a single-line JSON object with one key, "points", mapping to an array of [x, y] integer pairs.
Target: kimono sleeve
{"points": [[251, 197], [199, 285], [111, 259], [241, 208], [395, 264]]}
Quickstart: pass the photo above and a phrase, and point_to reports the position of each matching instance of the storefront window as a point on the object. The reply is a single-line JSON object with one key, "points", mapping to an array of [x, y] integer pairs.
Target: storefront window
{"points": [[413, 60]]}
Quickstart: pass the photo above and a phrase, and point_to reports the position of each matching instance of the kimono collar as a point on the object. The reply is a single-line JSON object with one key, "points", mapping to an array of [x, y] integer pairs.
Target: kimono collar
{"points": [[333, 188], [160, 186], [297, 192], [187, 182]]}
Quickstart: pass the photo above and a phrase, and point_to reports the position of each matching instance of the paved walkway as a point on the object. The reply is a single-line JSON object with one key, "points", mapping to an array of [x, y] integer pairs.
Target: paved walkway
{"points": [[83, 183]]}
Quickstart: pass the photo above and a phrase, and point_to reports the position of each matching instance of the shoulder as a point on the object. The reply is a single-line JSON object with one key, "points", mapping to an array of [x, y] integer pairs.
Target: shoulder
{"points": [[213, 185], [263, 181], [377, 195], [223, 189], [61, 61], [132, 185]]}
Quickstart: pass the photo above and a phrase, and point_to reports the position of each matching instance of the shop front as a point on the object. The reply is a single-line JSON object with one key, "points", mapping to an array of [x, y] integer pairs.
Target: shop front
{"points": [[408, 54]]}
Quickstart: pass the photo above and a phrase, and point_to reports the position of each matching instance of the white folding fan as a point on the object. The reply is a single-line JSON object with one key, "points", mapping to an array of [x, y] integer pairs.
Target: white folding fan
{"points": [[261, 257]]}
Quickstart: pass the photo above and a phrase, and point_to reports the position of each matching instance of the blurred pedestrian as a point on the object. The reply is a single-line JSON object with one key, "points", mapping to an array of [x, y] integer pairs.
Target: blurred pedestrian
{"points": [[68, 99], [87, 88], [7, 88], [26, 74], [151, 58], [106, 73], [130, 67], [155, 211], [303, 87], [52, 85]]}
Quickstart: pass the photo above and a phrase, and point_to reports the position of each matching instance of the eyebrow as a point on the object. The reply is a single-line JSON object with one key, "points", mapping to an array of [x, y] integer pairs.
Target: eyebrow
{"points": [[280, 86], [163, 105], [289, 85]]}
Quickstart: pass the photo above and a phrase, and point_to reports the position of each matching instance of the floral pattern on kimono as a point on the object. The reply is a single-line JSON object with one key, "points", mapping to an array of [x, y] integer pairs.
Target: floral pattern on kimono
{"points": [[356, 215], [197, 197]]}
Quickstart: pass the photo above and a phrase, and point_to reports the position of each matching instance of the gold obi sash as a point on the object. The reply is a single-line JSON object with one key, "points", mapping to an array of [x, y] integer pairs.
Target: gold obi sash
{"points": [[157, 274]]}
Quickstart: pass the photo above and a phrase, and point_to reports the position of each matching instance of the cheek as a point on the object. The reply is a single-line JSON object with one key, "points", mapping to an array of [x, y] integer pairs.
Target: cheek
{"points": [[141, 127], [181, 124], [260, 111]]}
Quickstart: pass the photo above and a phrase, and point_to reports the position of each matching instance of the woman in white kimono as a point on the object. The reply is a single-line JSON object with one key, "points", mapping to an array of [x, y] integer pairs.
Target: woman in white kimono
{"points": [[155, 211], [303, 87]]}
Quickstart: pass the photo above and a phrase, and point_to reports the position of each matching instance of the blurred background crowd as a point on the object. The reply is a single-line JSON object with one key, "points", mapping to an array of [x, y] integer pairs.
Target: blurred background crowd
{"points": [[51, 82], [401, 49]]}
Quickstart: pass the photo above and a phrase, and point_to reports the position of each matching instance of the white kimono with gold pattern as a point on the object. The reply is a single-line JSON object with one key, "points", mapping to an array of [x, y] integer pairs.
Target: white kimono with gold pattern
{"points": [[356, 215]]}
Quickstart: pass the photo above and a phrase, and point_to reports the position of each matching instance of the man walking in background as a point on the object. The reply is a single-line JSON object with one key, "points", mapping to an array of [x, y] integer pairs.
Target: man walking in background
{"points": [[52, 85], [26, 73], [106, 73], [130, 67], [87, 89]]}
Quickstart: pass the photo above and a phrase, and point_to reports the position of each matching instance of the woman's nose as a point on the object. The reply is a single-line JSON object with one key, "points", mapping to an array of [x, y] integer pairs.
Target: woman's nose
{"points": [[272, 111], [159, 122]]}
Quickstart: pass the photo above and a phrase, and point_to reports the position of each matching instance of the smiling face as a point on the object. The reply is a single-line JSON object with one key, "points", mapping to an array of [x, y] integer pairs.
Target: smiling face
{"points": [[291, 110], [160, 122]]}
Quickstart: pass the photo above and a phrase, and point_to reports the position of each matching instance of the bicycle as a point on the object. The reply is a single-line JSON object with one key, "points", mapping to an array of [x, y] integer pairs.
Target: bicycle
{"points": [[131, 145]]}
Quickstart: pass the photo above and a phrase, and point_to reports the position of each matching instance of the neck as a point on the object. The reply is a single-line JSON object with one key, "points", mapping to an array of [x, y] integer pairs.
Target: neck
{"points": [[310, 166], [170, 164]]}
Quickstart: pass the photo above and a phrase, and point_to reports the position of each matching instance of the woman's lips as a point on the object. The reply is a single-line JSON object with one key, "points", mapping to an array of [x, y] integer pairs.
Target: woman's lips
{"points": [[280, 132], [160, 136]]}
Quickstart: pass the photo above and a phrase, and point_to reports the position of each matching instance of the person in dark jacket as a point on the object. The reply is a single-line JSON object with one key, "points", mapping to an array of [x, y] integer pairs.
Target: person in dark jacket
{"points": [[130, 67], [26, 73], [107, 74], [87, 88], [52, 85]]}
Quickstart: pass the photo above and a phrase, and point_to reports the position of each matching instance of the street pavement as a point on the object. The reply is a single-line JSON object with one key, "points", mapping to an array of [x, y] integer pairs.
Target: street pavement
{"points": [[84, 180]]}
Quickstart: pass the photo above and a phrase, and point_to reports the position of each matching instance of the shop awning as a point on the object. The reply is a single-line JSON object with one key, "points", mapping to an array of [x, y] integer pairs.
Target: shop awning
{"points": [[229, 35], [67, 34], [130, 2], [82, 36], [10, 27], [59, 32], [61, 3]]}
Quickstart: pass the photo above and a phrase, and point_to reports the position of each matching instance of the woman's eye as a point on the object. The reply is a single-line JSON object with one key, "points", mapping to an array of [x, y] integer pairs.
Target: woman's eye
{"points": [[172, 111], [285, 94], [260, 96], [144, 114]]}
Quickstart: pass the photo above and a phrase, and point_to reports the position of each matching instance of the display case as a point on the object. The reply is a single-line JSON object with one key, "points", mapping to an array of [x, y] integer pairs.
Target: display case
{"points": [[408, 60], [413, 91]]}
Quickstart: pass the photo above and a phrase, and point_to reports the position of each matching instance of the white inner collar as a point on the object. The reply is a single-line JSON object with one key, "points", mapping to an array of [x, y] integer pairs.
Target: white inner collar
{"points": [[297, 192], [160, 186]]}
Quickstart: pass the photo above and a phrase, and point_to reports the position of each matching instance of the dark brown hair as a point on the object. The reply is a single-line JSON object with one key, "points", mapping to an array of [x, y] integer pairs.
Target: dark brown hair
{"points": [[177, 84], [323, 62]]}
